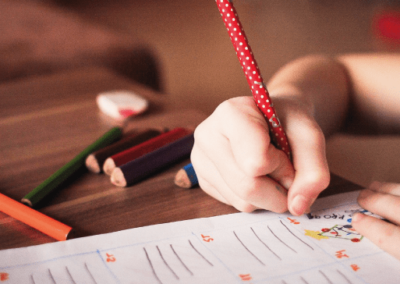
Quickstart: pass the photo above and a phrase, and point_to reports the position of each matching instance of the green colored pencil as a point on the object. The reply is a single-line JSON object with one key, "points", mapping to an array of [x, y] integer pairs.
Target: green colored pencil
{"points": [[55, 180]]}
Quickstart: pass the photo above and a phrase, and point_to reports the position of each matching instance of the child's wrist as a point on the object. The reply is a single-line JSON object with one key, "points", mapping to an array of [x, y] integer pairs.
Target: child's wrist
{"points": [[291, 105]]}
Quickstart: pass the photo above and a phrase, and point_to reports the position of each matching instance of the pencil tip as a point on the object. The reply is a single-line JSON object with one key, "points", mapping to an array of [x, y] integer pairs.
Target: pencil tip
{"points": [[26, 202], [92, 164], [108, 166], [182, 179], [117, 178]]}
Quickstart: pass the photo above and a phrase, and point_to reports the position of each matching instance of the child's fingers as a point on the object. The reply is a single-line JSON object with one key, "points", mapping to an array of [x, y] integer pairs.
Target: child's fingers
{"points": [[208, 187], [232, 183], [381, 233], [385, 187], [242, 124], [247, 131], [208, 176], [261, 191], [309, 159], [227, 175], [383, 204], [213, 184]]}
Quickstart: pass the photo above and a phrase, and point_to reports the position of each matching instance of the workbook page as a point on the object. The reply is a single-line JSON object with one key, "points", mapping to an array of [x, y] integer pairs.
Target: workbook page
{"points": [[261, 247]]}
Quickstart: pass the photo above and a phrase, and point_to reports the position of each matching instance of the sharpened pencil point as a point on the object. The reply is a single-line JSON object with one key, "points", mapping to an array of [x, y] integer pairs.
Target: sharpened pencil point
{"points": [[118, 178], [109, 166], [26, 202], [92, 164], [182, 179], [186, 177]]}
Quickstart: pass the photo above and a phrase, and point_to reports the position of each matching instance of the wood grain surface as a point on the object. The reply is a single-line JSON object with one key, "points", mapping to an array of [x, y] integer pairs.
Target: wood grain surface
{"points": [[46, 121]]}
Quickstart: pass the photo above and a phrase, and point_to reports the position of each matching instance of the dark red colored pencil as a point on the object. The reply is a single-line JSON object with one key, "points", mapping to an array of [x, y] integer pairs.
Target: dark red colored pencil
{"points": [[94, 162]]}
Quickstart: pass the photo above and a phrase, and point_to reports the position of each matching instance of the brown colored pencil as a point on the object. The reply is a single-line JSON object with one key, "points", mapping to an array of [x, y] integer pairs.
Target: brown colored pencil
{"points": [[94, 162]]}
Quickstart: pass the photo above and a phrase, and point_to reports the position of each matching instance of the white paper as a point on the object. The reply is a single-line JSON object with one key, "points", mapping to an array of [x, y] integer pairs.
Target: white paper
{"points": [[260, 247]]}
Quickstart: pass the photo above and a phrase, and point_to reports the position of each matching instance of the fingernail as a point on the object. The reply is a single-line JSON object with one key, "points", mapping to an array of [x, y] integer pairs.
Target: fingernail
{"points": [[299, 205]]}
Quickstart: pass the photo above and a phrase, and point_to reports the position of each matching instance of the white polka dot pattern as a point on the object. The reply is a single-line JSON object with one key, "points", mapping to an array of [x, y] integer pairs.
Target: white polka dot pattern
{"points": [[252, 72]]}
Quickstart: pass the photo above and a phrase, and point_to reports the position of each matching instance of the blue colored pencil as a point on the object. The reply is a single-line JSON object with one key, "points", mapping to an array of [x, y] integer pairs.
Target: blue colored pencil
{"points": [[186, 177]]}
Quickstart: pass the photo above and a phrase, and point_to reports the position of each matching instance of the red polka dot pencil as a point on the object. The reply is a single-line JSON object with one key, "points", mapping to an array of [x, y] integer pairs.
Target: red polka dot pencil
{"points": [[252, 73]]}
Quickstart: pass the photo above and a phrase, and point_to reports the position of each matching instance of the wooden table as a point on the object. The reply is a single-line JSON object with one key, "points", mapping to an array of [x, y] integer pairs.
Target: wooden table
{"points": [[46, 121]]}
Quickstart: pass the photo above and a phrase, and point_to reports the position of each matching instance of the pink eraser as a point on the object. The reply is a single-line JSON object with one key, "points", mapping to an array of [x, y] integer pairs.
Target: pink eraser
{"points": [[121, 104]]}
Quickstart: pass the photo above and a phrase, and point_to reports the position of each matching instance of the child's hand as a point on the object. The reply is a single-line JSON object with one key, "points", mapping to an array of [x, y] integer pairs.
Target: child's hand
{"points": [[236, 163], [382, 199]]}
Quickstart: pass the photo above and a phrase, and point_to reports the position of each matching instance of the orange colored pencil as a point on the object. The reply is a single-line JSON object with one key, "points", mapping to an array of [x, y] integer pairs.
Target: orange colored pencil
{"points": [[33, 218]]}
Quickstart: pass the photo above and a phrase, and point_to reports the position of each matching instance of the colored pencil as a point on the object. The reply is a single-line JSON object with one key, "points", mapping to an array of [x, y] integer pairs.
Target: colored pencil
{"points": [[146, 147], [186, 177], [95, 161], [60, 176], [252, 73], [34, 219], [153, 162]]}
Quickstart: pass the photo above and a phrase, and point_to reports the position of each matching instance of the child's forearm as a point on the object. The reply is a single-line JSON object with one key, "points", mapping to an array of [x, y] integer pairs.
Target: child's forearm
{"points": [[375, 90], [364, 87], [319, 83]]}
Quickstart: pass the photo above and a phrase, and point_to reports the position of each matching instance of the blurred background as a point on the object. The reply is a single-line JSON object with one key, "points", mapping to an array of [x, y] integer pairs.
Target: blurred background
{"points": [[182, 49]]}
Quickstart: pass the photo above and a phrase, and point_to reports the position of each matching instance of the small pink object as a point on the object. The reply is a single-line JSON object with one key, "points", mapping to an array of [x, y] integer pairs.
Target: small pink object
{"points": [[121, 104]]}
